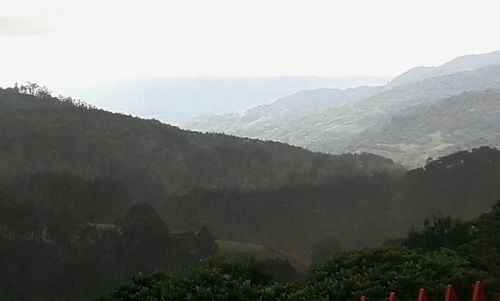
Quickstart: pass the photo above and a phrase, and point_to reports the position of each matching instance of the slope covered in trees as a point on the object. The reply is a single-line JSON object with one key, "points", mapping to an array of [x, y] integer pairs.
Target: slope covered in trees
{"points": [[152, 159], [74, 180], [435, 129], [446, 251], [49, 250], [244, 190], [359, 211]]}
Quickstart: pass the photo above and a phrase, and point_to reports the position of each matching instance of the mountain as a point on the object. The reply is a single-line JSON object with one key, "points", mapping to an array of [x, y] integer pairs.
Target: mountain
{"points": [[154, 160], [342, 130], [271, 118], [242, 189], [89, 198], [359, 211], [462, 63], [338, 121], [176, 100], [413, 134]]}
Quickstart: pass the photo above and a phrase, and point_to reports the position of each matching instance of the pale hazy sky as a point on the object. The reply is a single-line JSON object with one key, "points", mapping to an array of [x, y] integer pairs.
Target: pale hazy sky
{"points": [[72, 42]]}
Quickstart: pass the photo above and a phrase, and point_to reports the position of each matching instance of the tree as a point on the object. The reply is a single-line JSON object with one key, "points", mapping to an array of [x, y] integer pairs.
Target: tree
{"points": [[61, 225], [442, 232], [377, 271], [206, 243], [145, 239], [478, 240], [280, 269], [347, 276], [33, 89], [18, 219], [217, 278]]}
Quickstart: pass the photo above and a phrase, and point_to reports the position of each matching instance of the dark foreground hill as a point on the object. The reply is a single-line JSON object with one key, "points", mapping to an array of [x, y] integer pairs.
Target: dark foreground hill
{"points": [[359, 210], [154, 160], [447, 251], [73, 178]]}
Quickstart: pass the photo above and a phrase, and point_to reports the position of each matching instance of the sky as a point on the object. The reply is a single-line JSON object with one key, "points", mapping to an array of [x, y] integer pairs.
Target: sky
{"points": [[72, 42]]}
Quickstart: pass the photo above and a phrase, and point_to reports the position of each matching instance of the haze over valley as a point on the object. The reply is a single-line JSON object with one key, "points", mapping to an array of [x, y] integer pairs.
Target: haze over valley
{"points": [[179, 100]]}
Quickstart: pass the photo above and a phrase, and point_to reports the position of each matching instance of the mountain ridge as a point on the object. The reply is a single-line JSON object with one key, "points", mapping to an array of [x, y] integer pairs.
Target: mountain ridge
{"points": [[176, 100], [462, 63], [329, 120], [156, 160]]}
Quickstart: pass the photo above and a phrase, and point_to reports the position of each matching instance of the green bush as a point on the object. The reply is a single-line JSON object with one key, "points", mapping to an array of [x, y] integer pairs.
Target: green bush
{"points": [[378, 271], [347, 276]]}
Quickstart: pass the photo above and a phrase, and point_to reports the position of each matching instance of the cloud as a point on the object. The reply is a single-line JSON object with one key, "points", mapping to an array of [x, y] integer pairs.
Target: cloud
{"points": [[21, 26]]}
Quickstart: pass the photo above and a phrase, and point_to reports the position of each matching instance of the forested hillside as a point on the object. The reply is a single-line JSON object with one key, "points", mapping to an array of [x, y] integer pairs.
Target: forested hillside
{"points": [[79, 187], [152, 159], [359, 210], [446, 251], [435, 129], [89, 198]]}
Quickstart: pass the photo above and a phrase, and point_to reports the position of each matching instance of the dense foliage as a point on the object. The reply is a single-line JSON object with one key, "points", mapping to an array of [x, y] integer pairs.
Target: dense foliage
{"points": [[375, 272], [41, 133], [52, 249], [347, 276], [478, 239], [446, 251], [215, 279], [358, 210]]}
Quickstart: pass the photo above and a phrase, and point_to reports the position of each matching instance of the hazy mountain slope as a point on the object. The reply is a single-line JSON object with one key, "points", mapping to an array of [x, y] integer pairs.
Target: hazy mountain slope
{"points": [[334, 121], [258, 122], [331, 123], [175, 100], [462, 63], [337, 131], [464, 121], [268, 121], [154, 160]]}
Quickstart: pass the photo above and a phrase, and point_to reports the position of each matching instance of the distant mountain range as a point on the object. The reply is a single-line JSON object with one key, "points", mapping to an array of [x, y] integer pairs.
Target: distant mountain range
{"points": [[462, 63], [176, 100], [369, 118]]}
